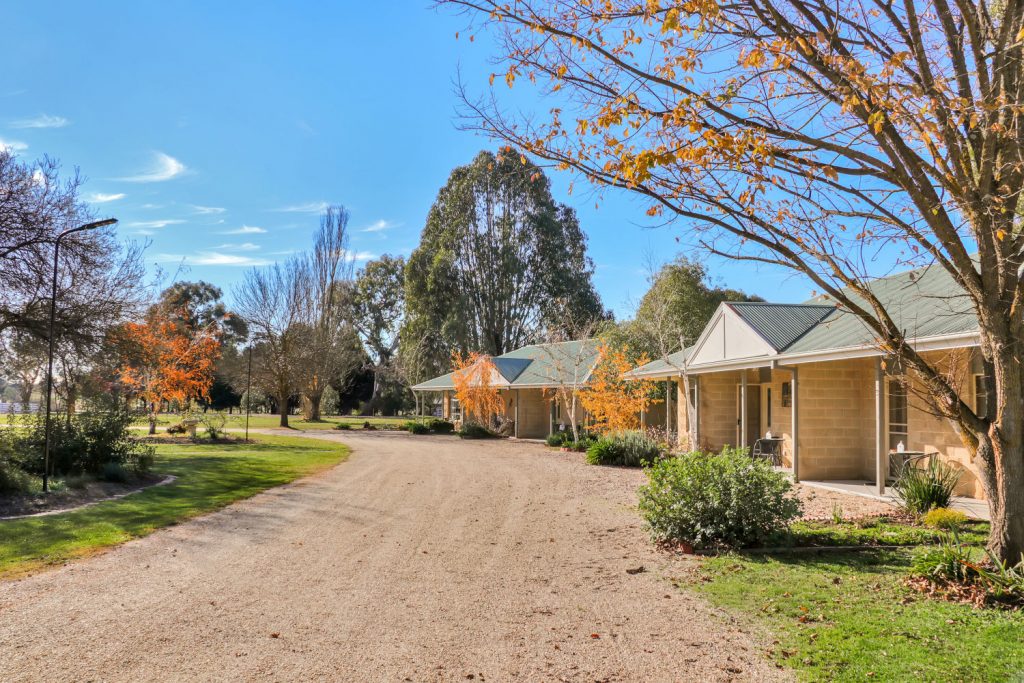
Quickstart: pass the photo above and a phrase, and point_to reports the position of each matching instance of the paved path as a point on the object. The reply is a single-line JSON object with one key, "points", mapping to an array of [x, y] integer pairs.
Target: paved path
{"points": [[420, 559]]}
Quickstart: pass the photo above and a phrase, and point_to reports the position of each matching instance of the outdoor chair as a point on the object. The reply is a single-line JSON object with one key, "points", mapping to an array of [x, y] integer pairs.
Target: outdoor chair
{"points": [[768, 449]]}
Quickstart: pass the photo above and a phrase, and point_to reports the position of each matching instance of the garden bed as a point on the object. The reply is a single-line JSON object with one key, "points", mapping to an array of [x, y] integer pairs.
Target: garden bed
{"points": [[66, 497]]}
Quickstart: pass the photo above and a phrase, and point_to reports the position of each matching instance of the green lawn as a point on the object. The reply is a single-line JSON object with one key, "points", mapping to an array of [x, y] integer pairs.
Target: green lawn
{"points": [[209, 476], [849, 616], [264, 421]]}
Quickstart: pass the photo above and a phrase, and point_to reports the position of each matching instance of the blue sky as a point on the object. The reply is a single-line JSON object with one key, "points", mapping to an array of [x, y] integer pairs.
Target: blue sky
{"points": [[218, 130]]}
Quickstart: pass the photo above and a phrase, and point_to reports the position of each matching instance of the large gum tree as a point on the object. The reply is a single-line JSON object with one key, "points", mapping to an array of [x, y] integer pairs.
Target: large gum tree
{"points": [[812, 135]]}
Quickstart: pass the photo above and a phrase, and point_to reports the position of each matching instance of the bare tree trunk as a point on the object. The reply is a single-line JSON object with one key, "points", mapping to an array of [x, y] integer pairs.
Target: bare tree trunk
{"points": [[152, 421], [1001, 451], [311, 406], [282, 408]]}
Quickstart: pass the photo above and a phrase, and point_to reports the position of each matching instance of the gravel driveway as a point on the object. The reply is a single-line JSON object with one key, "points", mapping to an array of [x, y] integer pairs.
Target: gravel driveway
{"points": [[420, 559]]}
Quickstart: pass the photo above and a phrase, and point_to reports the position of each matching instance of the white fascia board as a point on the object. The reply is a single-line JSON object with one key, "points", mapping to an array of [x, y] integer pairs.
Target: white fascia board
{"points": [[940, 343]]}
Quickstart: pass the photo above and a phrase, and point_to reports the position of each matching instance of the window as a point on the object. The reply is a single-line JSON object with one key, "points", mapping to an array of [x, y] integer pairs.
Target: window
{"points": [[898, 431], [980, 396], [787, 394]]}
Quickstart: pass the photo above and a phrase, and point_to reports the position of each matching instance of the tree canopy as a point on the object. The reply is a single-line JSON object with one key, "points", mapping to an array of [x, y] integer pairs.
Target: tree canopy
{"points": [[499, 261]]}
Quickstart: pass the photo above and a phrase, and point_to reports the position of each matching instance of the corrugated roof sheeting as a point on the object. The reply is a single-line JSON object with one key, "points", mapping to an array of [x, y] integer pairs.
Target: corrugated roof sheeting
{"points": [[924, 303], [536, 365], [780, 324]]}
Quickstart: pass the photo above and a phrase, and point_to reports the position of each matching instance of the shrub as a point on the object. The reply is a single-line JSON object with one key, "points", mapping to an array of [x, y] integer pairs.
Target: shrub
{"points": [[368, 426], [440, 426], [82, 444], [416, 428], [558, 439], [214, 424], [951, 563], [115, 472], [177, 429], [948, 561], [945, 519], [15, 480], [728, 500], [474, 430], [925, 488], [627, 449], [343, 426]]}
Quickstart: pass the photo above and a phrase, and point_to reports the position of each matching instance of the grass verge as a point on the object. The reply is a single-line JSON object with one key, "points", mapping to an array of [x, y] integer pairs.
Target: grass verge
{"points": [[848, 616], [209, 476]]}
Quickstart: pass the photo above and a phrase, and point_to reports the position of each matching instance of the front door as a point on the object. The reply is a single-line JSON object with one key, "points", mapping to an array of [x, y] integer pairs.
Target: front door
{"points": [[753, 414]]}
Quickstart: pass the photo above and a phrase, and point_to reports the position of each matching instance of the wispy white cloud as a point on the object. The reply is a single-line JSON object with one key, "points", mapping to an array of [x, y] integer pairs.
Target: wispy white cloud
{"points": [[12, 145], [308, 207], [103, 197], [41, 121], [244, 246], [245, 230], [208, 210], [154, 225], [164, 167], [362, 255], [212, 258], [380, 226]]}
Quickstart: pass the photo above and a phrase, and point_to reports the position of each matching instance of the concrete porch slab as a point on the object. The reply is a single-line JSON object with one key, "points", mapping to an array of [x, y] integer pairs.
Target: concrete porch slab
{"points": [[972, 507]]}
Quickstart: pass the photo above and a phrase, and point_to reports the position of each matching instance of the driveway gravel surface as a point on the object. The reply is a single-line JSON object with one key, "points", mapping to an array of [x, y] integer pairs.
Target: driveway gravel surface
{"points": [[422, 558]]}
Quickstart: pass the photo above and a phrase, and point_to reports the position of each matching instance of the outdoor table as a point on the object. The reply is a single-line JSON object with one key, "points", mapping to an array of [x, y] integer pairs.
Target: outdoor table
{"points": [[768, 449], [900, 459]]}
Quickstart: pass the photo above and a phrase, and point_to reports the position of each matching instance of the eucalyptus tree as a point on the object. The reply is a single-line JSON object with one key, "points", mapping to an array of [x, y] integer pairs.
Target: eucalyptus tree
{"points": [[499, 261], [377, 305]]}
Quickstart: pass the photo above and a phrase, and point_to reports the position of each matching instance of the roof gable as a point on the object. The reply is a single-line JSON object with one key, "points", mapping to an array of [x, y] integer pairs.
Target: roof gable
{"points": [[727, 337], [780, 324]]}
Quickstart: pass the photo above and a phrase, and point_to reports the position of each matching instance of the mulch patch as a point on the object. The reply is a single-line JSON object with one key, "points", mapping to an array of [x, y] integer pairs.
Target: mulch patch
{"points": [[90, 492]]}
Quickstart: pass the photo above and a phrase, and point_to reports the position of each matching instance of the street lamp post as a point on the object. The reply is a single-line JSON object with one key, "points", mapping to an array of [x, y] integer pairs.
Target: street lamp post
{"points": [[248, 393], [53, 320]]}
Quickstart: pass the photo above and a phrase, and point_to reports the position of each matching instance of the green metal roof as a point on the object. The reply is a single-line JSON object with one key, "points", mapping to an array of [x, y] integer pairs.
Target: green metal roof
{"points": [[925, 302], [780, 324], [536, 365], [672, 364]]}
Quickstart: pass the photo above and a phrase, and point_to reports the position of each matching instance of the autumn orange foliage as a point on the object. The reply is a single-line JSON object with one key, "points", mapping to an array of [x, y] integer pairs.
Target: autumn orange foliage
{"points": [[614, 403], [169, 360], [473, 378]]}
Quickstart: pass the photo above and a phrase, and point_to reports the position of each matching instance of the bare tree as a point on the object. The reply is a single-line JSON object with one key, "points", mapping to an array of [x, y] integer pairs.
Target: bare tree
{"points": [[331, 352], [271, 300], [98, 278]]}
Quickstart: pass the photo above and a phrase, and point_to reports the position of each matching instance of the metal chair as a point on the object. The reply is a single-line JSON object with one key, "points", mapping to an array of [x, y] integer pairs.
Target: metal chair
{"points": [[767, 449]]}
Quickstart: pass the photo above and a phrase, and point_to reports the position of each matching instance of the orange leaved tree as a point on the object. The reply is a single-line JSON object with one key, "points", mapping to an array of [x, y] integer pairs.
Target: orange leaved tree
{"points": [[615, 403], [169, 359], [473, 377]]}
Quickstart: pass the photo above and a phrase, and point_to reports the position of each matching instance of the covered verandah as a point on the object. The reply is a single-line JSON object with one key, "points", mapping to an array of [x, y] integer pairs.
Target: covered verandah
{"points": [[820, 422], [529, 412]]}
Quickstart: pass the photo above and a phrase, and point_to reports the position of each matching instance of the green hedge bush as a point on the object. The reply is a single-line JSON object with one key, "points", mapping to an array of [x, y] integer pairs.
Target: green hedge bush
{"points": [[474, 430], [725, 500], [626, 449], [441, 426], [416, 427]]}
